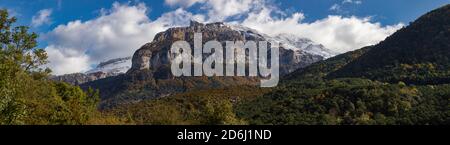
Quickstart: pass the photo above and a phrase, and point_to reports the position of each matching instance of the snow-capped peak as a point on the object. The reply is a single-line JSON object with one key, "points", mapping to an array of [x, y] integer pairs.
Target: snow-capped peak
{"points": [[295, 42], [113, 66], [288, 41]]}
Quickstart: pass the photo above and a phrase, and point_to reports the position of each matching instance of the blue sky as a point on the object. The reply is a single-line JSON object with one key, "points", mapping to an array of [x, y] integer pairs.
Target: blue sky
{"points": [[78, 34], [385, 11]]}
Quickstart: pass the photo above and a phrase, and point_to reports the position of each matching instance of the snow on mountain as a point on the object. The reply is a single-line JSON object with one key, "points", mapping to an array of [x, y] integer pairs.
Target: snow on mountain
{"points": [[304, 52], [105, 69], [289, 41], [113, 67], [297, 44], [294, 42]]}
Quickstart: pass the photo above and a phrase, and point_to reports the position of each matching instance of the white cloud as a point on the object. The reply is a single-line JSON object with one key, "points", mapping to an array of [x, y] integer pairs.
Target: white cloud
{"points": [[338, 33], [183, 3], [219, 10], [178, 17], [64, 61], [335, 7], [41, 18], [341, 8], [352, 2], [118, 32]]}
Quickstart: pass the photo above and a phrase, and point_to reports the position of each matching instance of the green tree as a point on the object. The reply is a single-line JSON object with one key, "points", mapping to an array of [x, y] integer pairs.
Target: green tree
{"points": [[26, 95], [18, 57]]}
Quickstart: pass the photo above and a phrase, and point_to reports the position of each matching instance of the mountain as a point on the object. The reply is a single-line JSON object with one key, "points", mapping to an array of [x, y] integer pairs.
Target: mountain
{"points": [[290, 41], [113, 67], [295, 52], [418, 54], [402, 80], [324, 93], [296, 43], [150, 76], [105, 69]]}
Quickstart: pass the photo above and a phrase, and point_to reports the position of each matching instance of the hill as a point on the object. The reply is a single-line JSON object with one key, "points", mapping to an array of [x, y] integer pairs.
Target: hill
{"points": [[402, 80], [417, 54]]}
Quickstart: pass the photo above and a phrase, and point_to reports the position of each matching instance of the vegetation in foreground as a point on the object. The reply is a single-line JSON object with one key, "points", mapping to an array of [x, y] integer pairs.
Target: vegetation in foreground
{"points": [[328, 92], [26, 96]]}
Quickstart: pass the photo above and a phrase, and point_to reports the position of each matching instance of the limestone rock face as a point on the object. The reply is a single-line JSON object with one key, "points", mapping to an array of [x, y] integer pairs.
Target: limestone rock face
{"points": [[155, 56]]}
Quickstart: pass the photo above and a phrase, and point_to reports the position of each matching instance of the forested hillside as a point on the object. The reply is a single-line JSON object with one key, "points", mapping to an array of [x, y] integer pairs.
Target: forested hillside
{"points": [[402, 80], [26, 94]]}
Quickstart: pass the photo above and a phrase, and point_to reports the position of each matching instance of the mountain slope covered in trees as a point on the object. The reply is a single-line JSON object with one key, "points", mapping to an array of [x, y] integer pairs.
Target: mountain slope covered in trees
{"points": [[417, 54], [402, 80]]}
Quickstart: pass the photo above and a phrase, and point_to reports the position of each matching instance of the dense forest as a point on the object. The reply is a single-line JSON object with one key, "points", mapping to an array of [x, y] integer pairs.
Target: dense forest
{"points": [[404, 80]]}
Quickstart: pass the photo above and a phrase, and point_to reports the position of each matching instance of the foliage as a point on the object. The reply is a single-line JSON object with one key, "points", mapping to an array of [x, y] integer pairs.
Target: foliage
{"points": [[214, 107], [403, 80], [349, 101], [26, 96], [417, 54]]}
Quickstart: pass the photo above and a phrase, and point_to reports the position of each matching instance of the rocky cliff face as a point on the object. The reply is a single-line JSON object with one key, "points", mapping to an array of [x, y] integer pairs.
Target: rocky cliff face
{"points": [[295, 52], [155, 56], [150, 75], [74, 79]]}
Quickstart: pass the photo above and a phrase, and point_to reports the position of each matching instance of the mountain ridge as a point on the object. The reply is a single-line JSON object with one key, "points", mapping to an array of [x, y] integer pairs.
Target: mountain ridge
{"points": [[297, 50], [366, 86], [150, 76], [109, 68], [421, 48]]}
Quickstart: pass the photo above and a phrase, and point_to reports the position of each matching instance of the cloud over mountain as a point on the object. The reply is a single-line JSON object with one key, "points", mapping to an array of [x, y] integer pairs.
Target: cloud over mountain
{"points": [[338, 33], [120, 31], [115, 33]]}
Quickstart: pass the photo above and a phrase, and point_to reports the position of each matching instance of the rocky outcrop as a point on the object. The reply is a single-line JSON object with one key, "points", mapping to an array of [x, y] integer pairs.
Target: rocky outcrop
{"points": [[150, 75], [291, 60], [155, 56], [78, 78]]}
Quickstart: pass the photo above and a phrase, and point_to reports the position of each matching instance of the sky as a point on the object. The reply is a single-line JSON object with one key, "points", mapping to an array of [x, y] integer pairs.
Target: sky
{"points": [[78, 34]]}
